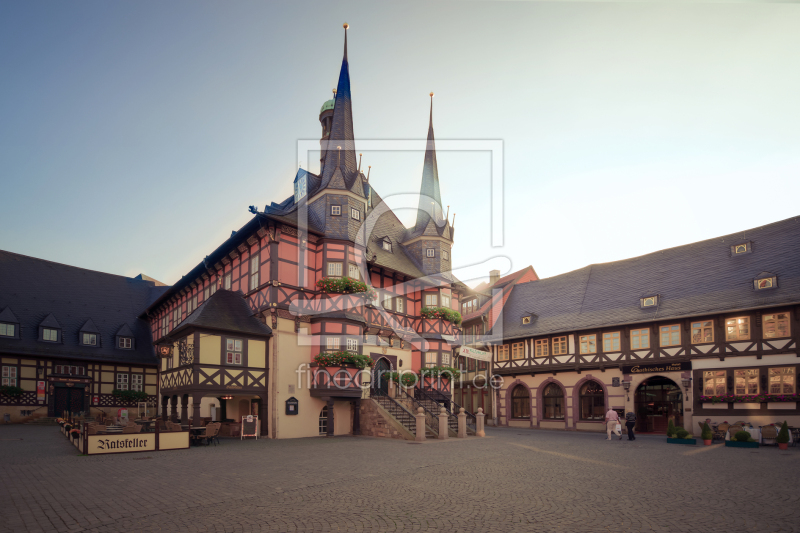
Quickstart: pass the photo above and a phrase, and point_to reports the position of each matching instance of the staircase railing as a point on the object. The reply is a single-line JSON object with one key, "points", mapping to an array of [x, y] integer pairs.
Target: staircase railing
{"points": [[396, 409], [431, 417], [472, 421], [448, 404]]}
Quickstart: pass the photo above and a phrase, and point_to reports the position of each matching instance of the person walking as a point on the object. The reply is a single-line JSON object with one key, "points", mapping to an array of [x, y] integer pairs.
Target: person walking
{"points": [[630, 421], [612, 419]]}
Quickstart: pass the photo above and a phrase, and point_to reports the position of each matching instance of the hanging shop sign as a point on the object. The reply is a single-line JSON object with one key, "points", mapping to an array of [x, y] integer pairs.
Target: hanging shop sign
{"points": [[472, 353], [652, 369]]}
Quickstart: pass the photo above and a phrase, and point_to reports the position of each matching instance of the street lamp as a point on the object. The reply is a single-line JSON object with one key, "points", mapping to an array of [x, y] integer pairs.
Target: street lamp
{"points": [[687, 382], [627, 386]]}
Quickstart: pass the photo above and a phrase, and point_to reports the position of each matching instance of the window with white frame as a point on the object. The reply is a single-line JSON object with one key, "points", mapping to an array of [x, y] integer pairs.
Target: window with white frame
{"points": [[430, 252], [122, 381], [776, 325], [542, 348], [9, 378], [334, 269], [226, 281], [387, 301], [445, 358], [233, 351], [640, 339], [781, 380], [89, 339], [445, 300], [611, 342], [352, 271], [355, 214], [430, 359], [398, 304], [714, 382], [737, 329], [254, 272], [126, 343], [431, 300], [176, 316], [588, 343], [137, 382], [50, 335], [386, 245], [7, 330], [502, 352], [352, 345], [332, 343], [671, 335], [336, 210], [746, 380]]}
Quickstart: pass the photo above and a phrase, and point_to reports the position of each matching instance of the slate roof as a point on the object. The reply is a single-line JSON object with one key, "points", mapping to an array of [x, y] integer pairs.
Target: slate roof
{"points": [[43, 292], [690, 280], [224, 311]]}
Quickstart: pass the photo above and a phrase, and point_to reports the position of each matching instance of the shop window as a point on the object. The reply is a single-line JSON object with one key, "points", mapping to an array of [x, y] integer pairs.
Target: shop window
{"points": [[9, 378], [559, 345], [702, 332], [671, 335], [593, 405], [122, 381], [640, 339], [553, 399], [541, 348], [233, 351], [781, 380], [520, 402], [502, 353], [737, 329], [518, 350], [611, 342], [7, 330], [776, 325], [588, 343], [746, 381], [714, 382]]}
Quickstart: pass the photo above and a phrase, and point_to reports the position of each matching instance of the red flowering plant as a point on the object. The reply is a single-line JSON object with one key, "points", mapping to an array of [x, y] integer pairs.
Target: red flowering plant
{"points": [[444, 313], [440, 371], [74, 432], [341, 358], [751, 398], [346, 285], [407, 379]]}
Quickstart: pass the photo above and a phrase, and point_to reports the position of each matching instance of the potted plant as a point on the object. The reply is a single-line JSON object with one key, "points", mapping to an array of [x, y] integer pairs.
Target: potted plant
{"points": [[74, 433], [681, 437], [707, 434], [783, 436], [671, 430]]}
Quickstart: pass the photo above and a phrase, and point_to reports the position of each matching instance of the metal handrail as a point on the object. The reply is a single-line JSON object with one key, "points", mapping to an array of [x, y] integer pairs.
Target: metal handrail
{"points": [[431, 418], [472, 422], [397, 405]]}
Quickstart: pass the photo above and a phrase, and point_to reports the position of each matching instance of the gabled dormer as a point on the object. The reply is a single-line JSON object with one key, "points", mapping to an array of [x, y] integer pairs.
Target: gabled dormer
{"points": [[9, 324], [124, 339], [89, 335], [50, 330]]}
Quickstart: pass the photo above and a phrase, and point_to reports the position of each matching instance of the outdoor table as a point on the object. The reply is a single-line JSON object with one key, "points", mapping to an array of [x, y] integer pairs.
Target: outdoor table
{"points": [[196, 431]]}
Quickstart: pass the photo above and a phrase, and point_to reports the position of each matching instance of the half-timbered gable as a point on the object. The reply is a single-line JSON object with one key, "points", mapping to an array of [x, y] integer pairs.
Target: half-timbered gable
{"points": [[673, 313], [70, 338]]}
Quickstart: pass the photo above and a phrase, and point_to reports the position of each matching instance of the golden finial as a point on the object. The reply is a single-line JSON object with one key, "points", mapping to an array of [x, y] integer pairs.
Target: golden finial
{"points": [[345, 25], [431, 94]]}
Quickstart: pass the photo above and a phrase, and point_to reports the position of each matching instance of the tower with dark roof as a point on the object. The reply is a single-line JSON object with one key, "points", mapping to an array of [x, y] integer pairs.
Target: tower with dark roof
{"points": [[430, 240]]}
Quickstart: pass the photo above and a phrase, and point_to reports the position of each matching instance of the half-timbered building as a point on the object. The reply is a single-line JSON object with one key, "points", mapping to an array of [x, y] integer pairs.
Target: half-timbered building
{"points": [[705, 330], [70, 339], [335, 225]]}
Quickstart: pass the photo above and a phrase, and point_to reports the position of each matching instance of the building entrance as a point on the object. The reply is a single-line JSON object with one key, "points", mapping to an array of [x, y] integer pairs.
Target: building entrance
{"points": [[658, 400], [68, 399]]}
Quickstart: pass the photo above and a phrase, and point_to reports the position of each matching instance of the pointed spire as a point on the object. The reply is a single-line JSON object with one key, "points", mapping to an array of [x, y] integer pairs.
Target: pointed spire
{"points": [[430, 201], [341, 129]]}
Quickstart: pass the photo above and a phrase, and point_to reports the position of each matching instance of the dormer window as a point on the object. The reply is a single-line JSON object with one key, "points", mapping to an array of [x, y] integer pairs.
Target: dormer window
{"points": [[526, 320], [387, 245], [648, 301], [9, 323], [741, 248], [8, 330], [300, 186], [764, 281], [125, 343], [89, 339], [50, 335]]}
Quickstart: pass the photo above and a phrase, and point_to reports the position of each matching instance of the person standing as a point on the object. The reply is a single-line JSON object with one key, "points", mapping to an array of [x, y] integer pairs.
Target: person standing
{"points": [[612, 419], [630, 421]]}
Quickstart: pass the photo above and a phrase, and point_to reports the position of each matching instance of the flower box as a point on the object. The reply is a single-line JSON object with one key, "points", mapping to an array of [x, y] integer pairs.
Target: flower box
{"points": [[710, 405], [336, 381], [737, 444], [681, 441], [747, 405], [782, 405]]}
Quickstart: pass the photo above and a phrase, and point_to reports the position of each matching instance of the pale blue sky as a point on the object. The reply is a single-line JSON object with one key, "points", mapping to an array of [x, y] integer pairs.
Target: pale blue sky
{"points": [[134, 134]]}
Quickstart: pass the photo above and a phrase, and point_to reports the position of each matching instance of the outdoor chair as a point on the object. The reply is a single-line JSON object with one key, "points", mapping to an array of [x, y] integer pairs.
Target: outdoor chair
{"points": [[137, 428], [719, 434], [91, 430], [129, 429], [768, 434], [214, 437], [734, 429]]}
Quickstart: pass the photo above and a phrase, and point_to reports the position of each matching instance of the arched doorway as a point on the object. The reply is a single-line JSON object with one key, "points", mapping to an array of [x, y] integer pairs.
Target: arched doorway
{"points": [[657, 400], [382, 366]]}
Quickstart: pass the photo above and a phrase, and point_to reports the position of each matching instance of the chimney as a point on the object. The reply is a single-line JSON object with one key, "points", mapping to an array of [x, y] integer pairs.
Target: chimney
{"points": [[494, 276]]}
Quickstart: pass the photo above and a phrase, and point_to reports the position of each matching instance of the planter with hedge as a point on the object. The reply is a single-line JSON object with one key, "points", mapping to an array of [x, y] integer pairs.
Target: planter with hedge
{"points": [[741, 439], [680, 436]]}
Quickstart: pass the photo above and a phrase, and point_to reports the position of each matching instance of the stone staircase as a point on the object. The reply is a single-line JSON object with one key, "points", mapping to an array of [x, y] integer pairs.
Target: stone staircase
{"points": [[398, 412]]}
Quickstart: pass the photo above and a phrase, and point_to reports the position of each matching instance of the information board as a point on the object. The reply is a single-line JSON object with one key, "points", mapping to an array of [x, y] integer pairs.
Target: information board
{"points": [[249, 426]]}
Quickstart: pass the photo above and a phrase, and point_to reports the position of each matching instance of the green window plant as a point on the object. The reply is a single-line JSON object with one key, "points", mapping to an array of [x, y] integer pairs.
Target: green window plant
{"points": [[129, 396], [444, 313], [9, 390], [343, 357]]}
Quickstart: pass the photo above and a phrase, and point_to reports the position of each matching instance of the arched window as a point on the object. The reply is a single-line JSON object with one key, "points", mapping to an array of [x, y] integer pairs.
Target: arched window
{"points": [[593, 405], [553, 398], [323, 421], [520, 402]]}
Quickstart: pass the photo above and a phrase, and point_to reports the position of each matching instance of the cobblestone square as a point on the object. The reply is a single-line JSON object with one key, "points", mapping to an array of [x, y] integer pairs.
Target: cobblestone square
{"points": [[513, 480]]}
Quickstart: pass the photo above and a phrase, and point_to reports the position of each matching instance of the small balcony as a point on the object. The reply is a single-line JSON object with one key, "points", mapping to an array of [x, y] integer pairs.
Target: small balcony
{"points": [[336, 381]]}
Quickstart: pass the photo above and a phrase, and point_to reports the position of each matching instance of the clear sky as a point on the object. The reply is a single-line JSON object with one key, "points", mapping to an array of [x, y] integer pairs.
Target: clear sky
{"points": [[135, 134]]}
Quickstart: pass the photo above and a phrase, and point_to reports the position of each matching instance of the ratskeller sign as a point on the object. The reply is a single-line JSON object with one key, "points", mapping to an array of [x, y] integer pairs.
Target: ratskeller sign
{"points": [[651, 369]]}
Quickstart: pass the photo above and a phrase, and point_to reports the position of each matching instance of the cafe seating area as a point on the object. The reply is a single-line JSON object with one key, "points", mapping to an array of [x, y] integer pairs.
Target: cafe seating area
{"points": [[765, 435]]}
